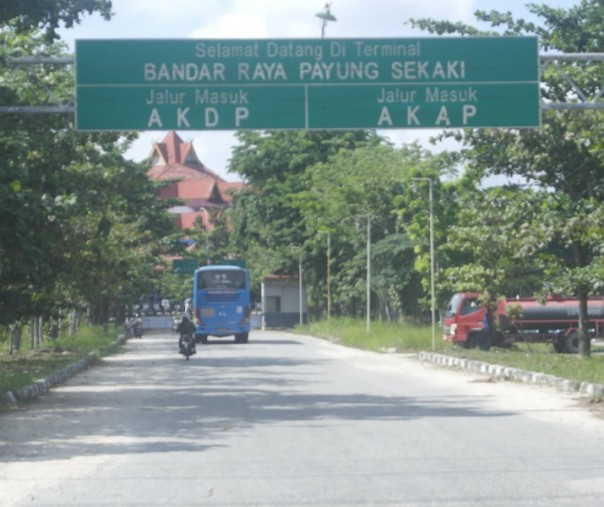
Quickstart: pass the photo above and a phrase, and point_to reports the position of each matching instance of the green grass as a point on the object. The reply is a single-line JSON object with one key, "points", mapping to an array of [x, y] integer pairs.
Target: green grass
{"points": [[408, 338], [26, 366], [382, 335]]}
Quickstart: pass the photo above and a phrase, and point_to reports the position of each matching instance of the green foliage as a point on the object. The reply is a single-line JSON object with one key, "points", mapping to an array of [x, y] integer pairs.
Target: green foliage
{"points": [[25, 15], [274, 165], [490, 247], [343, 193], [559, 237], [306, 187], [79, 224]]}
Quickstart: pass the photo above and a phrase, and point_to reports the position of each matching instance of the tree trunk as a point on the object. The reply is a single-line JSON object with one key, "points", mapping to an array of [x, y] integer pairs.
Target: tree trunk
{"points": [[74, 320], [584, 338], [16, 332], [35, 332]]}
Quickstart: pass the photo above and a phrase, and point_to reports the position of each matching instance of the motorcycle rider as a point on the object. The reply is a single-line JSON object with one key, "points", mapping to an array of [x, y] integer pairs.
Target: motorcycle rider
{"points": [[137, 326], [185, 327], [189, 308]]}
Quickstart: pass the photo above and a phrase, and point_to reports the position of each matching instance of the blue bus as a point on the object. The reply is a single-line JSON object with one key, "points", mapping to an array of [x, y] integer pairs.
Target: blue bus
{"points": [[221, 302]]}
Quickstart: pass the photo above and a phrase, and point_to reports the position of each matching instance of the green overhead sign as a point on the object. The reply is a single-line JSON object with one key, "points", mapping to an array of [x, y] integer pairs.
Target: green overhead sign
{"points": [[307, 83], [184, 266]]}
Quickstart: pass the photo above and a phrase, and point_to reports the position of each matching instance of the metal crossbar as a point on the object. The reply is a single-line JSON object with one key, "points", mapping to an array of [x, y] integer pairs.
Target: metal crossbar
{"points": [[584, 101]]}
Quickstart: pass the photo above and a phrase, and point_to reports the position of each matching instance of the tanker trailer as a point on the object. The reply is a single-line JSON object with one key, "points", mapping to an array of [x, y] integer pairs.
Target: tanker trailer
{"points": [[554, 321]]}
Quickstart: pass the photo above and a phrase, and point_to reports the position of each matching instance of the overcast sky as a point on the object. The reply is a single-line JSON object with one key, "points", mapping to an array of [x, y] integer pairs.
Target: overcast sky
{"points": [[228, 19]]}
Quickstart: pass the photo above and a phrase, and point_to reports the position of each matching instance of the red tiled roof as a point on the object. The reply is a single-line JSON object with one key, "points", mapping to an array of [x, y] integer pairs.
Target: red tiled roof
{"points": [[196, 193], [196, 185], [175, 172], [176, 153], [173, 144], [202, 188]]}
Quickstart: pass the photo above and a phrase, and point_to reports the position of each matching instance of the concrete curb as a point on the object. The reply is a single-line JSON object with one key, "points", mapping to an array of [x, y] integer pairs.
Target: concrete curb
{"points": [[507, 373], [41, 386]]}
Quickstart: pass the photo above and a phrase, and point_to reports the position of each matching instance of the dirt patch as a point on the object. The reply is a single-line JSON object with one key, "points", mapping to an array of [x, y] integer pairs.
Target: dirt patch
{"points": [[595, 406]]}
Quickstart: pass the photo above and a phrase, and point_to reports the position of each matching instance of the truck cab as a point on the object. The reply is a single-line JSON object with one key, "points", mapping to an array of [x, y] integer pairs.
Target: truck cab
{"points": [[464, 320]]}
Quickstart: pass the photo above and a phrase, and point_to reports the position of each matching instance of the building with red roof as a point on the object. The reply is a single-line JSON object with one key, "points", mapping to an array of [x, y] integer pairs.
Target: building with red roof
{"points": [[199, 188]]}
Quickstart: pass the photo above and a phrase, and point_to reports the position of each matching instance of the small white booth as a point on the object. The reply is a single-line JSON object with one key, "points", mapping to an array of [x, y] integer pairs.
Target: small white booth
{"points": [[283, 302]]}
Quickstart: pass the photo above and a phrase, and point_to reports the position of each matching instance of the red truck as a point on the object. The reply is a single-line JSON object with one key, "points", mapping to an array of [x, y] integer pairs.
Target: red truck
{"points": [[556, 321]]}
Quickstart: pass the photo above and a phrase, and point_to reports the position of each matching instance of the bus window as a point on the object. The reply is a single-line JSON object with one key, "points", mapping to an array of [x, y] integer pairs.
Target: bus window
{"points": [[221, 280]]}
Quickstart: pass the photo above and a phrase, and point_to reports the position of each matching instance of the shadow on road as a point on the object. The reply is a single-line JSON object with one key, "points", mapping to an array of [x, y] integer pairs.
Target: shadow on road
{"points": [[149, 400]]}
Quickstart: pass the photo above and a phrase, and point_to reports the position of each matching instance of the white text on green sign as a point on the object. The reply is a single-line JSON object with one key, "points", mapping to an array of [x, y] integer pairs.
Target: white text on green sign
{"points": [[296, 84]]}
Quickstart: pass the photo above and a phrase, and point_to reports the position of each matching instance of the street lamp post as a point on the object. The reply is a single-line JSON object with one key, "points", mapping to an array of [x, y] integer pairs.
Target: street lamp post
{"points": [[300, 283], [206, 229], [325, 16], [300, 290], [432, 290], [328, 274], [368, 288], [368, 273]]}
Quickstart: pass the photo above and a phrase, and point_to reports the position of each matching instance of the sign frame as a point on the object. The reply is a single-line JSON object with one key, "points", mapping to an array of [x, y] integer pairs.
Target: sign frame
{"points": [[280, 84]]}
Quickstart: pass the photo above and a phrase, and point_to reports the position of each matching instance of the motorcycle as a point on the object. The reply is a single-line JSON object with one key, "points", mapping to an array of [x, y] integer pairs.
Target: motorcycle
{"points": [[187, 345], [137, 328]]}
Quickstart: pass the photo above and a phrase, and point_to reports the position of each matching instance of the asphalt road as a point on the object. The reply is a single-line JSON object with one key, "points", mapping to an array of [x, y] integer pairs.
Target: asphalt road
{"points": [[288, 420]]}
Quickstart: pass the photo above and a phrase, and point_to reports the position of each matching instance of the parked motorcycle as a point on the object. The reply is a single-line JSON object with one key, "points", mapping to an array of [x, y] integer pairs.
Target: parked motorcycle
{"points": [[133, 327], [187, 345]]}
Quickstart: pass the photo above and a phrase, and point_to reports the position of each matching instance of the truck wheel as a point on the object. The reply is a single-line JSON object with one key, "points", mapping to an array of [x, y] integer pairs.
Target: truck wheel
{"points": [[472, 341], [484, 340], [572, 343], [497, 339], [201, 338]]}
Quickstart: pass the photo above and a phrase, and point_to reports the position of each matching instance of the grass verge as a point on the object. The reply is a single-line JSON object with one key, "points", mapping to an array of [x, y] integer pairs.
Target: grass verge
{"points": [[408, 338], [26, 366]]}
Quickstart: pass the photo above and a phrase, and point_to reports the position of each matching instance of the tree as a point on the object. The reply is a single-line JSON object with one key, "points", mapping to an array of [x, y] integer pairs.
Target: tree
{"points": [[491, 246], [30, 187], [113, 252], [560, 157], [25, 15], [368, 182], [273, 164], [78, 222]]}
